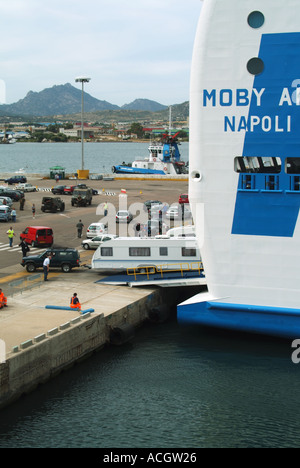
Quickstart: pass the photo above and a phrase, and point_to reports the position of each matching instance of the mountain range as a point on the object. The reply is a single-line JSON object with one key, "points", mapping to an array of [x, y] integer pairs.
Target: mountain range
{"points": [[62, 100]]}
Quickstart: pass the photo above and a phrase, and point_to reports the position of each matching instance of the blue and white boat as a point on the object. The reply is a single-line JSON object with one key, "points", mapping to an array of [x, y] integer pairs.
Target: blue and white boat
{"points": [[164, 158], [244, 162]]}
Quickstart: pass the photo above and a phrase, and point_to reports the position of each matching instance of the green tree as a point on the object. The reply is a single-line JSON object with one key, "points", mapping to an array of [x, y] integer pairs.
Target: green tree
{"points": [[137, 129]]}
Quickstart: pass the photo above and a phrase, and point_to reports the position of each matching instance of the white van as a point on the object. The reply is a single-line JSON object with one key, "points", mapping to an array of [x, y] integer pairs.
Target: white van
{"points": [[95, 229]]}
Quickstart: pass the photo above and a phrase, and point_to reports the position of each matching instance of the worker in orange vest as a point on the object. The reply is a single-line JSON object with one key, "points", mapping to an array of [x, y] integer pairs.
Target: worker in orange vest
{"points": [[75, 304], [3, 300]]}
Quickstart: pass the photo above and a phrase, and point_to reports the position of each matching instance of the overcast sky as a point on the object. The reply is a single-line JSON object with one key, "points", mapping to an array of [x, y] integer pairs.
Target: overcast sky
{"points": [[130, 48]]}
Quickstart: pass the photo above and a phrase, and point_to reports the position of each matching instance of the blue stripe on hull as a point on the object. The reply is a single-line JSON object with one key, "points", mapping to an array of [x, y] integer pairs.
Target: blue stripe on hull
{"points": [[284, 323], [131, 170]]}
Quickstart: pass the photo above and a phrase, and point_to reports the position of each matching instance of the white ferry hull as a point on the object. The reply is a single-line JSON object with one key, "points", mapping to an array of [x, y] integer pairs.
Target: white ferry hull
{"points": [[244, 171]]}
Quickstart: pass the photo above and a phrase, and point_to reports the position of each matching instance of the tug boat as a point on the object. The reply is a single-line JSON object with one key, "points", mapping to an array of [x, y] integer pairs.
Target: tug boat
{"points": [[244, 181], [164, 158]]}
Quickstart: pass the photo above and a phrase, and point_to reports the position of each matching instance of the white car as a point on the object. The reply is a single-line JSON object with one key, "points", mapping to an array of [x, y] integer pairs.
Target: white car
{"points": [[96, 241], [124, 216], [96, 229], [8, 201], [175, 212], [26, 187]]}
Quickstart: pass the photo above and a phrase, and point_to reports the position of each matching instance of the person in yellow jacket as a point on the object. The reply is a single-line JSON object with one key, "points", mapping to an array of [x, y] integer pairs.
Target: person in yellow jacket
{"points": [[74, 303], [10, 234], [3, 300]]}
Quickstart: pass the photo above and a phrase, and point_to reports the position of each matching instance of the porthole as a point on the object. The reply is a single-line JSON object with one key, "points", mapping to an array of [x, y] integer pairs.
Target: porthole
{"points": [[196, 176], [255, 66], [256, 19]]}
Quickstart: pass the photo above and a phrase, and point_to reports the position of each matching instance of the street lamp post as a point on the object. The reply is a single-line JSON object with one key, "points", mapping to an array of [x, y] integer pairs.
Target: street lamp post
{"points": [[82, 80]]}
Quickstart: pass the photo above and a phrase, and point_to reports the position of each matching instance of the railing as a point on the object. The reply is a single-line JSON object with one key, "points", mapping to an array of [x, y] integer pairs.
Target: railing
{"points": [[165, 268], [24, 284]]}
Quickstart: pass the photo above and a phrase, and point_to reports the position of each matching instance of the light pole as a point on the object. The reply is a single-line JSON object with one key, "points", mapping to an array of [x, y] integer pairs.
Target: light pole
{"points": [[82, 80]]}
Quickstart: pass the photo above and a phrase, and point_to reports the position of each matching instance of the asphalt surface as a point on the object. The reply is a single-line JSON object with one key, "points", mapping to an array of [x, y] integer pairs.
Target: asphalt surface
{"points": [[64, 224]]}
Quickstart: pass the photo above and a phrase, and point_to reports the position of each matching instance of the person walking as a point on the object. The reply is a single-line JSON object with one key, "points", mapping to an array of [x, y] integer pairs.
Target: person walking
{"points": [[10, 234], [79, 226], [24, 246], [3, 300], [75, 303], [22, 203], [33, 211], [46, 266], [105, 209]]}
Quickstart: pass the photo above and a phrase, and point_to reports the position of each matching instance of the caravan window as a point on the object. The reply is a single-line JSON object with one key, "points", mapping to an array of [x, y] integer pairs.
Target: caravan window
{"points": [[185, 252], [139, 252], [106, 252]]}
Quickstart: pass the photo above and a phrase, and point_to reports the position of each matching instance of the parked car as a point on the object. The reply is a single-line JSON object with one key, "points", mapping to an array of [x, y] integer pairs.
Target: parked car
{"points": [[179, 212], [84, 186], [16, 180], [149, 203], [153, 228], [95, 229], [58, 189], [124, 216], [69, 189], [183, 198], [6, 201], [5, 213], [52, 204], [15, 195], [38, 236], [82, 197], [66, 259], [96, 241], [26, 187]]}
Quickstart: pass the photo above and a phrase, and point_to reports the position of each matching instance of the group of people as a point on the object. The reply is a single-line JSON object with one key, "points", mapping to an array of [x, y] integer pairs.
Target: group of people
{"points": [[23, 244]]}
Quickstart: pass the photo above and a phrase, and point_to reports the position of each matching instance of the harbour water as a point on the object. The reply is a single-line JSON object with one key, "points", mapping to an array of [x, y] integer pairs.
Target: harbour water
{"points": [[98, 157], [170, 387]]}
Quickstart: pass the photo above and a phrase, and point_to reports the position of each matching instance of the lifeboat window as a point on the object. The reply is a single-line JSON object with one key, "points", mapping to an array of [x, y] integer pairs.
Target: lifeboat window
{"points": [[292, 166], [256, 19], [257, 165]]}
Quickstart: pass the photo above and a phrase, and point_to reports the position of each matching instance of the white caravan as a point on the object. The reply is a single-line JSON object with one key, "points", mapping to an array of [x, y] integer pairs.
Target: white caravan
{"points": [[135, 252]]}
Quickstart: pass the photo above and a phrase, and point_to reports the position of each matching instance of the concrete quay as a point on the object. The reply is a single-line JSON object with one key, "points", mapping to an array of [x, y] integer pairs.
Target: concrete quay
{"points": [[37, 343]]}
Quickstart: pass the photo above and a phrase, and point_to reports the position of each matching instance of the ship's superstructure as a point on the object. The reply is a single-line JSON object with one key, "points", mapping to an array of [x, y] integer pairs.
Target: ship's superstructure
{"points": [[245, 165]]}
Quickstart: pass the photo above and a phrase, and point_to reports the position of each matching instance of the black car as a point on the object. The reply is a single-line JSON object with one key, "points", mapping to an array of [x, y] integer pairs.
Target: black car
{"points": [[16, 180], [15, 195], [58, 189], [66, 259]]}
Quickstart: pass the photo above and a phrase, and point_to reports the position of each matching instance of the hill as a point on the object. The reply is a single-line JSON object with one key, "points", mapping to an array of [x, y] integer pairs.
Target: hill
{"points": [[61, 99]]}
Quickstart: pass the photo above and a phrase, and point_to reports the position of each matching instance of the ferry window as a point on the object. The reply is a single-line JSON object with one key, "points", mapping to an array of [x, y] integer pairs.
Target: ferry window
{"points": [[186, 252], [106, 252], [272, 182], [255, 66], [139, 252], [257, 164], [163, 251], [292, 166], [295, 183], [256, 19]]}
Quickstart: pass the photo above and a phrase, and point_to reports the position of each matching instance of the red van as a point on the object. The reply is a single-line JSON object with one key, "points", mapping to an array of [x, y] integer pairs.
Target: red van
{"points": [[38, 236]]}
